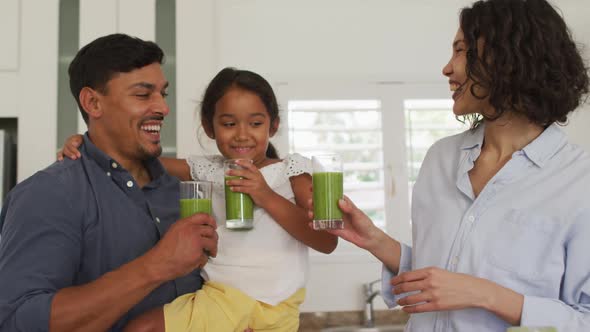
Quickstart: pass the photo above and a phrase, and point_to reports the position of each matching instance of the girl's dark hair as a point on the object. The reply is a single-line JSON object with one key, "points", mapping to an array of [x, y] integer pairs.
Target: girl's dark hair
{"points": [[529, 64], [231, 77]]}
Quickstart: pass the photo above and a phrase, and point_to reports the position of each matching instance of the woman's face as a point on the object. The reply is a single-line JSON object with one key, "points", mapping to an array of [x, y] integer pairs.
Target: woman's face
{"points": [[460, 84]]}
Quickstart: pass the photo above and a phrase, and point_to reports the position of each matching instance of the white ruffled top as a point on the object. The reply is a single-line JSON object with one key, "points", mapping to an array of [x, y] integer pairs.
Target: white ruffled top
{"points": [[266, 263]]}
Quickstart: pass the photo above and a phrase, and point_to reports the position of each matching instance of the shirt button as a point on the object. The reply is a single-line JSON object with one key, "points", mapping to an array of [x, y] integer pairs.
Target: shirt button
{"points": [[157, 220], [108, 173], [114, 165], [129, 184], [471, 219]]}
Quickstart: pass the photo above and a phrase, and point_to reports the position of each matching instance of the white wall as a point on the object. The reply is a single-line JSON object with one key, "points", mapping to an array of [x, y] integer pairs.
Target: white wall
{"points": [[348, 40], [577, 129], [28, 72], [9, 34], [368, 40], [196, 64], [576, 13], [10, 17]]}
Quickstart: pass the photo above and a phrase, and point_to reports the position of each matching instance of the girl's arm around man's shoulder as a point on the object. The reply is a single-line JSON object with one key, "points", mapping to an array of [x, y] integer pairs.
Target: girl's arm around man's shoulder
{"points": [[177, 167]]}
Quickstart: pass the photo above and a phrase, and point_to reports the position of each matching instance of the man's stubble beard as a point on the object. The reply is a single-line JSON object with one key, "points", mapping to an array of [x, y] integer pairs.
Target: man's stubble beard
{"points": [[144, 154]]}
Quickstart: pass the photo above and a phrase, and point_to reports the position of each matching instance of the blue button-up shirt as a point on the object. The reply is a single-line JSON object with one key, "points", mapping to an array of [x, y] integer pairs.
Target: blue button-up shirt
{"points": [[74, 221], [528, 230]]}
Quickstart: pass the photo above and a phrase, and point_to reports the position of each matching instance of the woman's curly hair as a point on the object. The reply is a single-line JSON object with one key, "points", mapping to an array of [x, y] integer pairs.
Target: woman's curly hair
{"points": [[529, 64]]}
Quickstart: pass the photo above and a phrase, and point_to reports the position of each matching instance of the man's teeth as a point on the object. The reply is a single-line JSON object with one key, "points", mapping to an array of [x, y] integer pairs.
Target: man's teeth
{"points": [[454, 87], [154, 128]]}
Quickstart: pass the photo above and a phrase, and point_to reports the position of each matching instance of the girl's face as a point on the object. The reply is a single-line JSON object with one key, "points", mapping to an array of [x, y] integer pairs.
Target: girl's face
{"points": [[455, 70], [242, 126]]}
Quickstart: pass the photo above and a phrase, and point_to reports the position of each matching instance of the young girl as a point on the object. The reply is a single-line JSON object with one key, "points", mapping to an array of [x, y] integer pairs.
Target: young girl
{"points": [[257, 278]]}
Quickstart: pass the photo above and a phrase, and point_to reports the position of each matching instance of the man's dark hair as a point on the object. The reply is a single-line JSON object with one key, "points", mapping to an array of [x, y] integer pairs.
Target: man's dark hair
{"points": [[529, 64], [96, 63]]}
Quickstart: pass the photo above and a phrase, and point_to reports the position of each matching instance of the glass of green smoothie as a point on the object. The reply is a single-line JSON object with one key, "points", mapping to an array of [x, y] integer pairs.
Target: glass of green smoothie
{"points": [[239, 208], [195, 197], [328, 188], [531, 329]]}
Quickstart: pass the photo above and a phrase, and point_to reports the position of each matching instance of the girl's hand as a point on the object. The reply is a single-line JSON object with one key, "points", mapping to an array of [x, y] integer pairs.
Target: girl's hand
{"points": [[358, 228], [252, 183], [70, 148], [441, 290]]}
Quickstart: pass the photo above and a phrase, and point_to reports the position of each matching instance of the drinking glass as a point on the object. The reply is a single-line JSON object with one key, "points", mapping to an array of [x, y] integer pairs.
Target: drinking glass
{"points": [[239, 208], [531, 329], [195, 197], [327, 179]]}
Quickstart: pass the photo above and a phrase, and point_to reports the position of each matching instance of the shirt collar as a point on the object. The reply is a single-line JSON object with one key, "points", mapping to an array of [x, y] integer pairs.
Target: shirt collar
{"points": [[474, 138], [105, 162], [539, 151], [544, 147]]}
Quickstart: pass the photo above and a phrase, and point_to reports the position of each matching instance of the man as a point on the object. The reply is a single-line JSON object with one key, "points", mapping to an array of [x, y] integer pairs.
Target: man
{"points": [[88, 244]]}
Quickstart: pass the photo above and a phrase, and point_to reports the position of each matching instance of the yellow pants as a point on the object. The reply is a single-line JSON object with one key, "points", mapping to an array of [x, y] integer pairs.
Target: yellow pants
{"points": [[220, 308]]}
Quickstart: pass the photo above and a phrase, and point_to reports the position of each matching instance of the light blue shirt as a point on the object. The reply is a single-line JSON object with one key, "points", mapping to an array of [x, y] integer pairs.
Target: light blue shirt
{"points": [[528, 230]]}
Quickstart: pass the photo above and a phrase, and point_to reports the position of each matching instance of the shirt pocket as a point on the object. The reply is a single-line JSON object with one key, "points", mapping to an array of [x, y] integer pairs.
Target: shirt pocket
{"points": [[528, 245]]}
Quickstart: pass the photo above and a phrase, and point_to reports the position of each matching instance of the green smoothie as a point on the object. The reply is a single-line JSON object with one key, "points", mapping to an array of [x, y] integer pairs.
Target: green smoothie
{"points": [[190, 206], [327, 190], [239, 208], [531, 329]]}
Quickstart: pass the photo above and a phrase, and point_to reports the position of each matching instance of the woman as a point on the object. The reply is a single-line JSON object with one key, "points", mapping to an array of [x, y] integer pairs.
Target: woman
{"points": [[501, 212]]}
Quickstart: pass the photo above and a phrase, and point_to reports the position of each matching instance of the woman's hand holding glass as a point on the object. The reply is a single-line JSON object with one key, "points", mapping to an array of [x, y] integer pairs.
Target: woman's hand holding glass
{"points": [[358, 229]]}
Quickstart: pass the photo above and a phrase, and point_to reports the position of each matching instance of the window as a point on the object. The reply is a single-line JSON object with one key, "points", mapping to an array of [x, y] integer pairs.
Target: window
{"points": [[351, 128], [382, 131]]}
